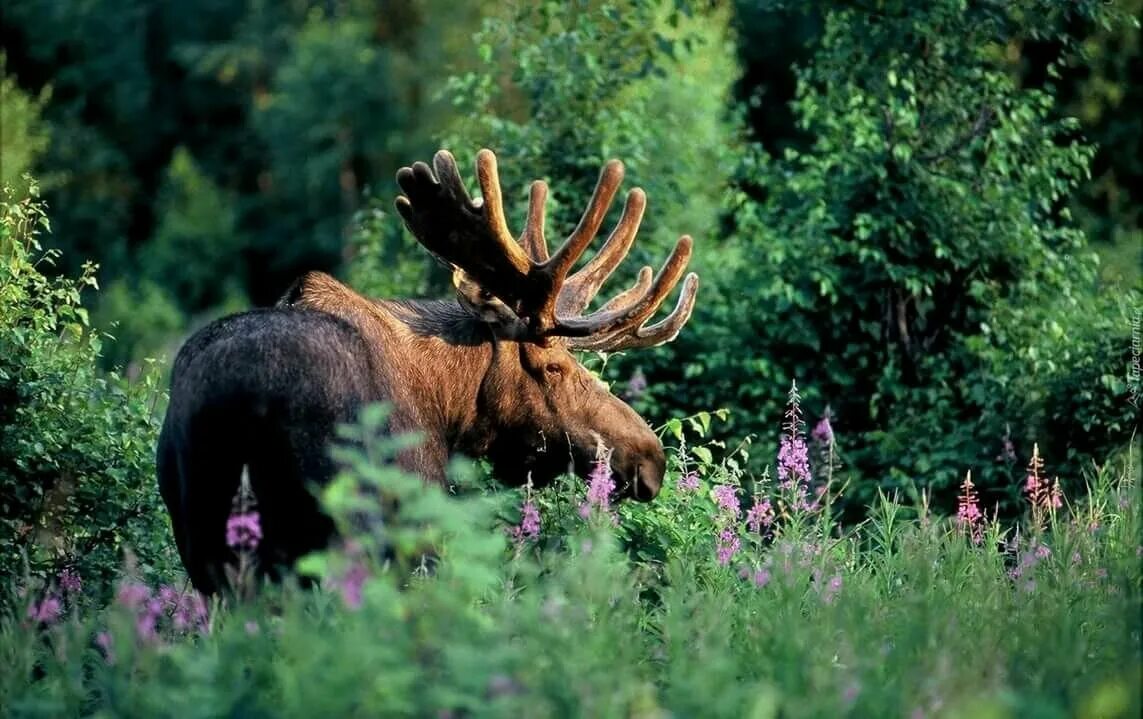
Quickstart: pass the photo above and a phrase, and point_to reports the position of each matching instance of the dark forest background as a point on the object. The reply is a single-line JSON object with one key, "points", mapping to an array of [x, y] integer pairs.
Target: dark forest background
{"points": [[925, 214]]}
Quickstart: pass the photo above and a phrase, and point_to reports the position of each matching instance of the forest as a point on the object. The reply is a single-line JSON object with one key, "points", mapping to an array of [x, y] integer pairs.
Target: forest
{"points": [[917, 228]]}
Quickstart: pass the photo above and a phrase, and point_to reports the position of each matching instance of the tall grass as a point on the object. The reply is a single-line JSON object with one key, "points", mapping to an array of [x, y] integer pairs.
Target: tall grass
{"points": [[722, 598]]}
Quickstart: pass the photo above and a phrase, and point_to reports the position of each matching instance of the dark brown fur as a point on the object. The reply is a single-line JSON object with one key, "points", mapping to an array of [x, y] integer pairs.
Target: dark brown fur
{"points": [[265, 390]]}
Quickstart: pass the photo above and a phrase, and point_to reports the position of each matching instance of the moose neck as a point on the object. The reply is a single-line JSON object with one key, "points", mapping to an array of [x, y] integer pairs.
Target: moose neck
{"points": [[430, 358]]}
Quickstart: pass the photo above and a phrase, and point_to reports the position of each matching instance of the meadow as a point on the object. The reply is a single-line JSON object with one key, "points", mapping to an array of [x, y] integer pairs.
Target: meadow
{"points": [[904, 475], [723, 599]]}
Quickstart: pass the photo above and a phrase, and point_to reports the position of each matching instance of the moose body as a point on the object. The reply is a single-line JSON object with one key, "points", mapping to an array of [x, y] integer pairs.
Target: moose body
{"points": [[489, 375]]}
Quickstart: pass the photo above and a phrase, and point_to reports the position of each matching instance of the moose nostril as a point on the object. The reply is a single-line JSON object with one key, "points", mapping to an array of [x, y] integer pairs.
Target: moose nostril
{"points": [[648, 480]]}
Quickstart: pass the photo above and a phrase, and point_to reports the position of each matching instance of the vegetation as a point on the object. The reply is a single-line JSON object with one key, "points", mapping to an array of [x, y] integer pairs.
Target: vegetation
{"points": [[760, 605], [917, 229]]}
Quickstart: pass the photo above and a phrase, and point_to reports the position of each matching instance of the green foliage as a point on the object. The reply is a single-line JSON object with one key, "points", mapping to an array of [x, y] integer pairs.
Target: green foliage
{"points": [[905, 615], [196, 238], [22, 133], [76, 452], [565, 87], [902, 264]]}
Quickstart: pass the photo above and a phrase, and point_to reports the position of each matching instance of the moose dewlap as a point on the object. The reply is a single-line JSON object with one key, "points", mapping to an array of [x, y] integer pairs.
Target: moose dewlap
{"points": [[489, 375]]}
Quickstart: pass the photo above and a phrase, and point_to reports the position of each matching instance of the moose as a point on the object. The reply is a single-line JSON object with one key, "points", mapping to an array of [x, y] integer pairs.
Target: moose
{"points": [[489, 375]]}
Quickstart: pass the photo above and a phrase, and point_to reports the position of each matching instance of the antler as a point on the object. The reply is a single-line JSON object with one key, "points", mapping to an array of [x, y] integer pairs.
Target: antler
{"points": [[491, 265]]}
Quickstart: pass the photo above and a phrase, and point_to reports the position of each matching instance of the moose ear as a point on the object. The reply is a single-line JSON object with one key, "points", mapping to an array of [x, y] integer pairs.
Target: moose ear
{"points": [[485, 307]]}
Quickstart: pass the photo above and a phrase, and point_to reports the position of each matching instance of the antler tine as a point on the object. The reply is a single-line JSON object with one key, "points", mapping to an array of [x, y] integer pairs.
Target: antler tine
{"points": [[516, 282], [472, 237], [634, 337], [532, 238], [634, 313], [605, 188], [579, 289]]}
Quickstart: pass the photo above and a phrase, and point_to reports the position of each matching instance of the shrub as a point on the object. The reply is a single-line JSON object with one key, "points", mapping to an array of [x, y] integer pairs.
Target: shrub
{"points": [[917, 263], [76, 453]]}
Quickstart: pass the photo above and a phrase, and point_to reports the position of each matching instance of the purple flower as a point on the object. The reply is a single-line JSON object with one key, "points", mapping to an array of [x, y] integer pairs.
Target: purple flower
{"points": [[103, 641], [852, 690], [146, 623], [47, 611], [793, 462], [70, 581], [352, 585], [823, 431], [726, 497], [600, 486], [133, 594], [831, 589], [968, 514], [761, 577], [244, 531], [760, 514], [728, 545], [529, 527], [689, 482], [637, 384], [1043, 552]]}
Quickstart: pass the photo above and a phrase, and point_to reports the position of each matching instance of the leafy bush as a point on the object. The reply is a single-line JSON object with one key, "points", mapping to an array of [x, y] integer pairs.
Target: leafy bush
{"points": [[909, 261], [751, 613], [76, 453], [22, 134]]}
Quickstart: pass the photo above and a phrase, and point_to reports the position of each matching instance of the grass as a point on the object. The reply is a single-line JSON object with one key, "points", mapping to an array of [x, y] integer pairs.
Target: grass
{"points": [[629, 611]]}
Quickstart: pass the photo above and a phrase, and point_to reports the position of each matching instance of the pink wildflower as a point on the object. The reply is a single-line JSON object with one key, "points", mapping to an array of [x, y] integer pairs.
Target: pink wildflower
{"points": [[637, 384], [728, 545], [352, 585], [823, 431], [244, 531], [1043, 552], [793, 462], [831, 589], [725, 496], [529, 527], [760, 514], [1056, 499], [47, 611], [70, 581], [132, 594], [103, 641], [689, 482], [601, 484], [968, 514], [146, 623]]}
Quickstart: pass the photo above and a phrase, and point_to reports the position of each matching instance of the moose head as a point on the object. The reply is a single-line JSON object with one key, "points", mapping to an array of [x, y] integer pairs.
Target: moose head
{"points": [[539, 398], [490, 375]]}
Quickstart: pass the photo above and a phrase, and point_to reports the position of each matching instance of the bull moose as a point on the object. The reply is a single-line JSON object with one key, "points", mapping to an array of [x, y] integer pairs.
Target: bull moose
{"points": [[490, 374]]}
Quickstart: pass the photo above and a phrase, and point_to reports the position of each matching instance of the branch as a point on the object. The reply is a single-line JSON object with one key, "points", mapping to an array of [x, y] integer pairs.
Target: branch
{"points": [[979, 127]]}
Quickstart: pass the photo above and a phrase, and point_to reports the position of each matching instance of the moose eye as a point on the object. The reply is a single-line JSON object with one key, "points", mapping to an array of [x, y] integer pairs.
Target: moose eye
{"points": [[554, 369]]}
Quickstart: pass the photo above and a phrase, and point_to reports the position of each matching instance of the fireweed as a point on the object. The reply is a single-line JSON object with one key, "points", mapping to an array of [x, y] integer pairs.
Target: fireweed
{"points": [[794, 475], [968, 515], [243, 535], [529, 527], [600, 486]]}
